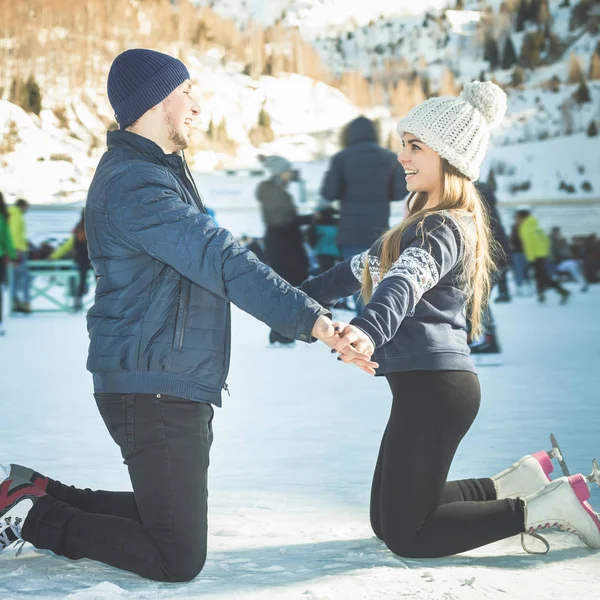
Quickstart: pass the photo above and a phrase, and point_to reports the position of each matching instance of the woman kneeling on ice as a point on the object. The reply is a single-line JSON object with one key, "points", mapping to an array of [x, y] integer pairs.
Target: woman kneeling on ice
{"points": [[418, 281]]}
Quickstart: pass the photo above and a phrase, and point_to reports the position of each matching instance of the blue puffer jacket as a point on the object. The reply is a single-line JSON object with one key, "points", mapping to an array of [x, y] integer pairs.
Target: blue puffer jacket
{"points": [[166, 276], [365, 177]]}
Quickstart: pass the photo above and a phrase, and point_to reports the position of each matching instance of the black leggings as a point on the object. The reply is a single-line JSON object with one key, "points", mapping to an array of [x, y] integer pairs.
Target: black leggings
{"points": [[413, 509]]}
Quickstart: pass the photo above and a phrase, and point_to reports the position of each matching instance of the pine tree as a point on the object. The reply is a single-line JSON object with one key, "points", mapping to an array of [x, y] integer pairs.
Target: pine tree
{"points": [[518, 77], [554, 84], [582, 95], [531, 49], [521, 16], [595, 64], [509, 56], [210, 130], [555, 46], [222, 136], [490, 53], [264, 119], [575, 69], [17, 93], [592, 130], [492, 180], [543, 16], [33, 96]]}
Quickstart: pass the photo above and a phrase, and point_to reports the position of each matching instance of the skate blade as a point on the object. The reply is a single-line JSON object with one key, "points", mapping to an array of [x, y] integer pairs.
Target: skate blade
{"points": [[556, 453], [594, 476]]}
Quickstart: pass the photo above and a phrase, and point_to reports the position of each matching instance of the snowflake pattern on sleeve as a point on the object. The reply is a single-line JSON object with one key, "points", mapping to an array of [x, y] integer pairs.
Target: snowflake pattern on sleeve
{"points": [[358, 264], [418, 267]]}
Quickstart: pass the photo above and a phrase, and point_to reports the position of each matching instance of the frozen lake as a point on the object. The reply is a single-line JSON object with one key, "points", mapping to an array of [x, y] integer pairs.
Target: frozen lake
{"points": [[291, 467]]}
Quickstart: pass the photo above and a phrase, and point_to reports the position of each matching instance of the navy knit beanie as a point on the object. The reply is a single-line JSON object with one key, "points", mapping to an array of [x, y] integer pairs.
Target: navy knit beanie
{"points": [[140, 79]]}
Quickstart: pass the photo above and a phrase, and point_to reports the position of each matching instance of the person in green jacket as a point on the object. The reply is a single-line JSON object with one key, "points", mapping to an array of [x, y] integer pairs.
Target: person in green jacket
{"points": [[21, 290], [7, 251], [536, 246]]}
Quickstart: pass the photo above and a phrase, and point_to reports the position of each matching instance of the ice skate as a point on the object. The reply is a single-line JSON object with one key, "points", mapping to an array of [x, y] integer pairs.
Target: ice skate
{"points": [[26, 473], [525, 477], [486, 351], [17, 497], [562, 505]]}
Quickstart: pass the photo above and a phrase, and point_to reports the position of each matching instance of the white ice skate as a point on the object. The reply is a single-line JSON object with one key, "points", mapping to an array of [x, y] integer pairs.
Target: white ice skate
{"points": [[562, 505], [526, 476]]}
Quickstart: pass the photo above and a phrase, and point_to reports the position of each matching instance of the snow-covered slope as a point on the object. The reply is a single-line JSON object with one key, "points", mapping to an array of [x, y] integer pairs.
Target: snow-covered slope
{"points": [[50, 162], [316, 16]]}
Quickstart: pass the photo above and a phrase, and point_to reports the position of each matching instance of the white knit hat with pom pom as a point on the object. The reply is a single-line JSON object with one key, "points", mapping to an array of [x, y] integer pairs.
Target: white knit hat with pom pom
{"points": [[458, 128]]}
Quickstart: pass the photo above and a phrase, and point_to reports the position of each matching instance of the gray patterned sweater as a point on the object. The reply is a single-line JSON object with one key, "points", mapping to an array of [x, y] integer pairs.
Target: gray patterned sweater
{"points": [[416, 315]]}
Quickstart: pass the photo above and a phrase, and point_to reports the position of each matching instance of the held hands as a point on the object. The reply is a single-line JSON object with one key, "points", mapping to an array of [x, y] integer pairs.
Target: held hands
{"points": [[353, 345]]}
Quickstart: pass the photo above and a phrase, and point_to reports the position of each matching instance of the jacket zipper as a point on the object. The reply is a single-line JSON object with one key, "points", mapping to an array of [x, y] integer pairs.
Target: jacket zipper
{"points": [[188, 176], [227, 350], [186, 303]]}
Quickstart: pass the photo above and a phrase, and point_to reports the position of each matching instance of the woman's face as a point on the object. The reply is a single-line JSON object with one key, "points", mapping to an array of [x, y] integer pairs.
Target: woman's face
{"points": [[422, 165]]}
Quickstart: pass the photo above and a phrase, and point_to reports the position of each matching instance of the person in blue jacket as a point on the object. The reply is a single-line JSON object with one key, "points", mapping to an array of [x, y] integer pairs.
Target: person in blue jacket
{"points": [[159, 339], [418, 281], [365, 178]]}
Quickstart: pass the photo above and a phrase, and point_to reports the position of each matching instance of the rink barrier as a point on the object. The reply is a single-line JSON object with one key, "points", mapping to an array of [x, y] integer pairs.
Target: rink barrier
{"points": [[54, 281]]}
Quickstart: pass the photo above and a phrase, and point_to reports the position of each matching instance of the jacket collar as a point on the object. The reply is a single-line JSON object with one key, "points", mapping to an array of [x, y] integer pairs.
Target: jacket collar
{"points": [[132, 141]]}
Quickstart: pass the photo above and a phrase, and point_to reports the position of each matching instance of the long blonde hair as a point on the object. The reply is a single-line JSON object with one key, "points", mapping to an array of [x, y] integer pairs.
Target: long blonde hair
{"points": [[459, 195]]}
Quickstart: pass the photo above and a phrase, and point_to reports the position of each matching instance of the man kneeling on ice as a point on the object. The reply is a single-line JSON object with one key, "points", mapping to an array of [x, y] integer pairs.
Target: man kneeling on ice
{"points": [[159, 339]]}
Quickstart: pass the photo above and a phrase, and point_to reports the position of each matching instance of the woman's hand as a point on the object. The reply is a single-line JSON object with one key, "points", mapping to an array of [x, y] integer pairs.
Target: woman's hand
{"points": [[329, 333], [355, 337], [354, 346]]}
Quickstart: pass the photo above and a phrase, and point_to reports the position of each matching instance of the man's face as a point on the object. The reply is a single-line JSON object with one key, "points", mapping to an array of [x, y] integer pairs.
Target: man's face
{"points": [[179, 113]]}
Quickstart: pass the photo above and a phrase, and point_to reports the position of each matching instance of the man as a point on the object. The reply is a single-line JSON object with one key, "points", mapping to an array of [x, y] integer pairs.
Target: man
{"points": [[365, 178], [21, 288], [159, 339], [536, 246]]}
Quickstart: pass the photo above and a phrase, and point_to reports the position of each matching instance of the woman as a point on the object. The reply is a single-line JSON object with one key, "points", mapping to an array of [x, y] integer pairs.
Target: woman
{"points": [[284, 247], [418, 281], [7, 251]]}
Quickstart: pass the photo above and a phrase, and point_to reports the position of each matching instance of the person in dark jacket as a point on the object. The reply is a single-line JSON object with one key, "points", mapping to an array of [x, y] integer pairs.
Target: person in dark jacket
{"points": [[159, 339], [418, 281], [365, 178], [284, 246], [502, 255], [485, 348]]}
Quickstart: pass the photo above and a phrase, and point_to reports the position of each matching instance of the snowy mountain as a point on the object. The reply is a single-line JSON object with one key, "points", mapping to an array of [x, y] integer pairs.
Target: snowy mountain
{"points": [[316, 16], [284, 76]]}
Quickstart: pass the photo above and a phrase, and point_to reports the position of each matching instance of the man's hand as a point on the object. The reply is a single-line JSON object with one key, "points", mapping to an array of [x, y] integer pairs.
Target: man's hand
{"points": [[323, 330]]}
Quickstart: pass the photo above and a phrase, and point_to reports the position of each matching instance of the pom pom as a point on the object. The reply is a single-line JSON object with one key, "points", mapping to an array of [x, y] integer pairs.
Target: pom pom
{"points": [[488, 99]]}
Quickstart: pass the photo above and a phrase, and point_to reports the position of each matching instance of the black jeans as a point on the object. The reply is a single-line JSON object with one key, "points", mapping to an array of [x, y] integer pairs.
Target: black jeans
{"points": [[413, 509], [160, 530]]}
